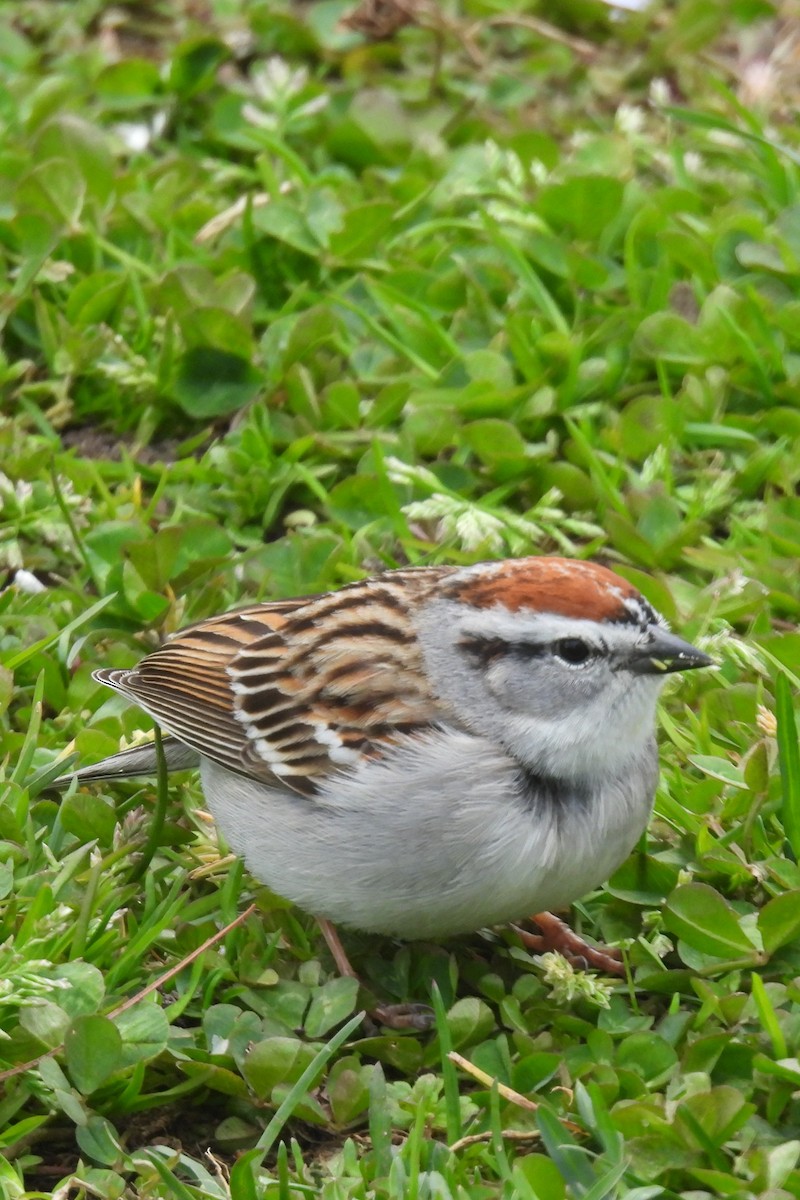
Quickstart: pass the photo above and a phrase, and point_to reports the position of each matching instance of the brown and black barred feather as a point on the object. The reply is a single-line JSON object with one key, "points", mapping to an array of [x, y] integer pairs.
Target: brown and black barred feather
{"points": [[292, 690]]}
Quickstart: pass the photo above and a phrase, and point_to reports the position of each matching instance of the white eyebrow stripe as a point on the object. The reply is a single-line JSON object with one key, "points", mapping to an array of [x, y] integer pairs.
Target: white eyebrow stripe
{"points": [[543, 628]]}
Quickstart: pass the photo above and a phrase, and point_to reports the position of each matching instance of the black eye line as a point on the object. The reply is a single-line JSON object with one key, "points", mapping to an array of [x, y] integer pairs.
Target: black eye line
{"points": [[486, 650]]}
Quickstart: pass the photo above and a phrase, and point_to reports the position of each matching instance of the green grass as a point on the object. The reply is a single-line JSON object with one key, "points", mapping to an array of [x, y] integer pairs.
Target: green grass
{"points": [[465, 293]]}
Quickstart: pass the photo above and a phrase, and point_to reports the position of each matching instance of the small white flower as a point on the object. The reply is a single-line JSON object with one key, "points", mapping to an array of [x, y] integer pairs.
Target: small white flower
{"points": [[277, 80], [134, 135], [655, 466], [661, 945], [566, 984], [431, 143], [724, 137], [515, 169], [693, 162], [732, 584], [475, 528], [432, 509], [509, 212], [301, 518], [766, 721], [27, 582], [758, 80], [314, 105], [494, 156], [629, 118], [401, 472], [724, 643], [660, 94], [257, 116], [538, 171]]}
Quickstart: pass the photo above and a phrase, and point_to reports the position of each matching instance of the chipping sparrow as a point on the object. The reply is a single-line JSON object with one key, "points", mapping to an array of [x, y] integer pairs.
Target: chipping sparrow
{"points": [[427, 752]]}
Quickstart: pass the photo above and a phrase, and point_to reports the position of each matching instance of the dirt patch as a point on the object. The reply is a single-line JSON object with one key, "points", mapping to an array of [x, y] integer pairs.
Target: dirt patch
{"points": [[92, 443]]}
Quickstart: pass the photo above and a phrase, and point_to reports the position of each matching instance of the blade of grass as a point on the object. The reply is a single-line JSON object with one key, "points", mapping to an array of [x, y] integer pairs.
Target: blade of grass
{"points": [[86, 910], [767, 1016], [527, 275], [243, 1176], [160, 812], [380, 1123], [715, 1155], [565, 1152], [29, 745], [597, 469], [703, 120], [283, 1172], [175, 1188], [388, 338], [449, 1074], [70, 523], [606, 1185], [303, 1084], [391, 302], [412, 1153], [23, 656], [497, 1143], [789, 757]]}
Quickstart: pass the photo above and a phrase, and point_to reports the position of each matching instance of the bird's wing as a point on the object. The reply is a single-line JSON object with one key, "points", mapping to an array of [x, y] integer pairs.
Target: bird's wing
{"points": [[294, 690]]}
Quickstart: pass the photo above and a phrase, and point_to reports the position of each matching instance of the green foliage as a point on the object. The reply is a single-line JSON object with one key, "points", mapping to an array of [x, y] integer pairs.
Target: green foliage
{"points": [[282, 306]]}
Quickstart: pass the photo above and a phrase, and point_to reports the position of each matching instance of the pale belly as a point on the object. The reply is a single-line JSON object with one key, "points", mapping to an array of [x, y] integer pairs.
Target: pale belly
{"points": [[433, 841]]}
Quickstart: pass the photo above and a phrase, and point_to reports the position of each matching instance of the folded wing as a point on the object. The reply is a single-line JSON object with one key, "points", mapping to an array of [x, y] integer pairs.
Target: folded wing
{"points": [[294, 690]]}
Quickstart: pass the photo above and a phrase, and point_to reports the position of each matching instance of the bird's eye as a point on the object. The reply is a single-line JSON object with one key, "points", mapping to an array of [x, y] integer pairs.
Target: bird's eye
{"points": [[573, 651]]}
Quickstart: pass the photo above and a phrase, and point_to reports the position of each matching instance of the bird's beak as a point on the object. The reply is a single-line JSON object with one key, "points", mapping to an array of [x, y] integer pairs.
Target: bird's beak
{"points": [[662, 652]]}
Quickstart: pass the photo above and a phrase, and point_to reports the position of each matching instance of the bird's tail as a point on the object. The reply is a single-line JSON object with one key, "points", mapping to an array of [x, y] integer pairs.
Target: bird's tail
{"points": [[137, 760]]}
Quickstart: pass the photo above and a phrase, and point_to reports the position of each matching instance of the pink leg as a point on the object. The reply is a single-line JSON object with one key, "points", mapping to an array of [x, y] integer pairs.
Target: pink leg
{"points": [[334, 943], [393, 1016], [557, 935]]}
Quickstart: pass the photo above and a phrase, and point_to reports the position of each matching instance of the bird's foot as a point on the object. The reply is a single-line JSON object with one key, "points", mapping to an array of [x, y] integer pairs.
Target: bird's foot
{"points": [[557, 935], [393, 1016], [419, 1017]]}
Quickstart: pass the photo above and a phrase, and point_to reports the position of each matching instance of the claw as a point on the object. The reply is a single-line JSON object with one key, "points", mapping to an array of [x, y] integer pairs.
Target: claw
{"points": [[557, 935], [404, 1016]]}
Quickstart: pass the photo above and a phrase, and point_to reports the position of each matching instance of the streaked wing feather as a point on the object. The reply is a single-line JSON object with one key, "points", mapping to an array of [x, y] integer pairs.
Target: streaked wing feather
{"points": [[292, 691], [185, 687], [341, 680]]}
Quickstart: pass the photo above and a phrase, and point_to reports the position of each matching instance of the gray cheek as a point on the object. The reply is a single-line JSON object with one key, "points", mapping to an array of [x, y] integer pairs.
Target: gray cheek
{"points": [[541, 688]]}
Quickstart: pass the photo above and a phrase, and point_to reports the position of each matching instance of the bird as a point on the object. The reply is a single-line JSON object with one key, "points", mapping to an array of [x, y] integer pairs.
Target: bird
{"points": [[426, 752]]}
